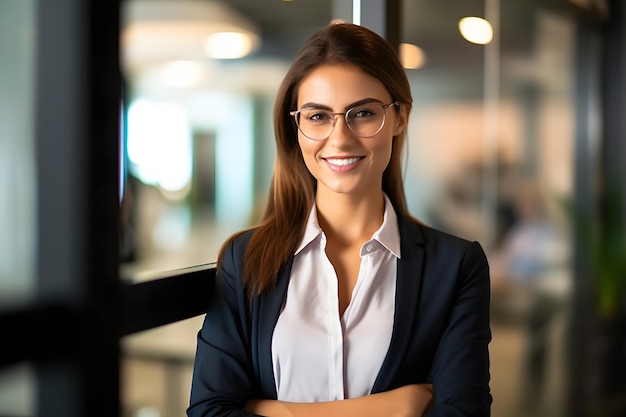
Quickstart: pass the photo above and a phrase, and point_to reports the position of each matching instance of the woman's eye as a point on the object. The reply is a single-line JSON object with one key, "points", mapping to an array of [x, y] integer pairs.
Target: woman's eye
{"points": [[363, 112], [317, 116]]}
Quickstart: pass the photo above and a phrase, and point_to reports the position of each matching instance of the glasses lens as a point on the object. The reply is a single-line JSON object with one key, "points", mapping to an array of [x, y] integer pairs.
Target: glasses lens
{"points": [[366, 120], [315, 124]]}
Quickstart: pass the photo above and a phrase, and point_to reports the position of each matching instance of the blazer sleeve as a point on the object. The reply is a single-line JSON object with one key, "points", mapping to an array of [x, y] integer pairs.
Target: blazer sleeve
{"points": [[223, 378], [460, 368]]}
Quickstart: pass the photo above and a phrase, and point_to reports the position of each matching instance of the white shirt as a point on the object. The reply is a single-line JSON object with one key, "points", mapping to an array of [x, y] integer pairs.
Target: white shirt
{"points": [[318, 355]]}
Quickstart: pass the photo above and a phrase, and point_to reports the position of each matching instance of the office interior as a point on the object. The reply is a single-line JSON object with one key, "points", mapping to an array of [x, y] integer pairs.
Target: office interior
{"points": [[137, 136]]}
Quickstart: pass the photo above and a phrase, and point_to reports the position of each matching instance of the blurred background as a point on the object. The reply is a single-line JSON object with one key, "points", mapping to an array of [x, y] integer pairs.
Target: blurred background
{"points": [[493, 155]]}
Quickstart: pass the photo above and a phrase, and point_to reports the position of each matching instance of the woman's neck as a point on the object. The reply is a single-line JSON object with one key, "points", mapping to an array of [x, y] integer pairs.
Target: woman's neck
{"points": [[347, 219]]}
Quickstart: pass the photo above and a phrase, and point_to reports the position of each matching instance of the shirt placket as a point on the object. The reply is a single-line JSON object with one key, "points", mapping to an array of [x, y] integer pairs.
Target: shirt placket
{"points": [[334, 331]]}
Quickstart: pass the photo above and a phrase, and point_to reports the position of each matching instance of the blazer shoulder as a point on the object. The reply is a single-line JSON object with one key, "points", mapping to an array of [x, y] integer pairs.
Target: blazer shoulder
{"points": [[233, 250], [434, 235], [436, 239], [239, 241]]}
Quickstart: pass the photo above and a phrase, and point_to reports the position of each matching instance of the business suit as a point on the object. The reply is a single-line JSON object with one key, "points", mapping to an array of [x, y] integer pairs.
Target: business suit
{"points": [[440, 333]]}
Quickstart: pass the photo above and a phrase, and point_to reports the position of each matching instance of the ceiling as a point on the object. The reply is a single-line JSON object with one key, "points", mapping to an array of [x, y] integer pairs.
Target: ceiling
{"points": [[452, 63], [430, 24], [427, 23]]}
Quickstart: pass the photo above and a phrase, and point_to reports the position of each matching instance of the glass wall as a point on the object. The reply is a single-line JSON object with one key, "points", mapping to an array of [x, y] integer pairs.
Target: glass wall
{"points": [[17, 164], [17, 186], [489, 157]]}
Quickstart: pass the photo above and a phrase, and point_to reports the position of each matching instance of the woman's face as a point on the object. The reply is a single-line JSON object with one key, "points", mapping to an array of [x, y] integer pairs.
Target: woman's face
{"points": [[346, 163]]}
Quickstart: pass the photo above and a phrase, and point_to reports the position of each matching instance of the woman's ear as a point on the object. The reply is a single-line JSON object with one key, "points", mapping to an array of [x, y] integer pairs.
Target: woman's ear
{"points": [[402, 118]]}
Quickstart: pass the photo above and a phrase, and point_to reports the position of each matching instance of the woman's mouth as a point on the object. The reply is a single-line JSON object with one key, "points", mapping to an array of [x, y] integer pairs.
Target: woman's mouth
{"points": [[342, 164]]}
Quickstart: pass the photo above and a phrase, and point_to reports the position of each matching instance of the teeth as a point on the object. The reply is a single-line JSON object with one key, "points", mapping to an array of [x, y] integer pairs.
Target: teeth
{"points": [[343, 161]]}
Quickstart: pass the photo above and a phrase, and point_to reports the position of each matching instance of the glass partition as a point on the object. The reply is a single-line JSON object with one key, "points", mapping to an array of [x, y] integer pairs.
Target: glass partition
{"points": [[17, 189], [17, 163], [491, 158]]}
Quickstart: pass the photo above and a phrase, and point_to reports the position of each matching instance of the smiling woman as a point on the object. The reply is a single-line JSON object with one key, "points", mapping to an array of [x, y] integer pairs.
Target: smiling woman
{"points": [[316, 309], [361, 144]]}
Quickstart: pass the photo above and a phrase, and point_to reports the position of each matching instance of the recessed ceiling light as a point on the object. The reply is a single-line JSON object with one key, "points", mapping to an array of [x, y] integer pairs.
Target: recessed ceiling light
{"points": [[230, 45], [412, 56], [476, 30]]}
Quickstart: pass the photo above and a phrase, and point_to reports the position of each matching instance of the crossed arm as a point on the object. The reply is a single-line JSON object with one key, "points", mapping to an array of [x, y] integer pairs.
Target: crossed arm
{"points": [[408, 401]]}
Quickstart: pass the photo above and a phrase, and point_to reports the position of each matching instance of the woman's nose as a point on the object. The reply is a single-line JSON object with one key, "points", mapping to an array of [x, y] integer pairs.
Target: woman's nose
{"points": [[341, 131]]}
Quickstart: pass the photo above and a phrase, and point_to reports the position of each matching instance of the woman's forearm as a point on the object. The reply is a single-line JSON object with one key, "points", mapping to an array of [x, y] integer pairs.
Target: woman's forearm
{"points": [[407, 401]]}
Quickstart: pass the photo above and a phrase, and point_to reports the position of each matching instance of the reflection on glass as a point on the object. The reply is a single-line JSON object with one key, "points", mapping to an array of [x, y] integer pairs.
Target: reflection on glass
{"points": [[17, 163]]}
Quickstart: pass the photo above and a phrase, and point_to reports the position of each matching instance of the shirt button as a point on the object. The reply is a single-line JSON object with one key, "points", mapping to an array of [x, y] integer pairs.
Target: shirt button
{"points": [[369, 247]]}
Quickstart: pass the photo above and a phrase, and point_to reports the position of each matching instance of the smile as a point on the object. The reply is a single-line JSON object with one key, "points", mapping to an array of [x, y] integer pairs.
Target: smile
{"points": [[341, 165], [342, 161]]}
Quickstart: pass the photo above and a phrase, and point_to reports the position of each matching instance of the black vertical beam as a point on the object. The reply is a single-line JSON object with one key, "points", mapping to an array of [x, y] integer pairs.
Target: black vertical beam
{"points": [[384, 18], [104, 87], [614, 149], [393, 23], [588, 108], [610, 359], [61, 116], [77, 139], [600, 150]]}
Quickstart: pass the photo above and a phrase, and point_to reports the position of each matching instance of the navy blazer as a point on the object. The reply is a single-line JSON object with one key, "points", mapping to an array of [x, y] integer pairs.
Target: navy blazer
{"points": [[441, 329]]}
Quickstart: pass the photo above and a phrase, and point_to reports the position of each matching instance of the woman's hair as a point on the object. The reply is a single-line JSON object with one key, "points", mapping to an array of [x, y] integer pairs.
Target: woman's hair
{"points": [[292, 191]]}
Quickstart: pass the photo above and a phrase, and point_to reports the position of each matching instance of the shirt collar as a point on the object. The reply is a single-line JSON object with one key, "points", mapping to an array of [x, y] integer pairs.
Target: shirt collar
{"points": [[387, 235], [312, 231]]}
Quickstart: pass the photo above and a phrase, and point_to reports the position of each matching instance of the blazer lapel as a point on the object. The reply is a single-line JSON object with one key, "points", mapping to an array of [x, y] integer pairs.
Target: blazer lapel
{"points": [[264, 319], [408, 284]]}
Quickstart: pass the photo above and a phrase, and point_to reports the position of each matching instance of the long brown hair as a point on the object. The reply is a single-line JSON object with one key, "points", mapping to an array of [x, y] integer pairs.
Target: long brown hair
{"points": [[292, 192]]}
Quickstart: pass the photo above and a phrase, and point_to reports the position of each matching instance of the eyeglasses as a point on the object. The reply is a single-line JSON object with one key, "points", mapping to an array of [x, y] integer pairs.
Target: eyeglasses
{"points": [[364, 120]]}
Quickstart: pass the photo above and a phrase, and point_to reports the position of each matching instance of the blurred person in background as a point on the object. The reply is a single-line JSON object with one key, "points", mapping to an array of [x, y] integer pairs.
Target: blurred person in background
{"points": [[531, 265], [340, 302]]}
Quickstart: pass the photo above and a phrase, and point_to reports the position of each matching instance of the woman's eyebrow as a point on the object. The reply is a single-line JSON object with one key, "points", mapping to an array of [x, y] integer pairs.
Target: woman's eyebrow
{"points": [[362, 101], [313, 105]]}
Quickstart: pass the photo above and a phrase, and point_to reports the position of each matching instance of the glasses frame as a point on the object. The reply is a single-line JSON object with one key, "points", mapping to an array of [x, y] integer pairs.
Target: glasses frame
{"points": [[345, 114]]}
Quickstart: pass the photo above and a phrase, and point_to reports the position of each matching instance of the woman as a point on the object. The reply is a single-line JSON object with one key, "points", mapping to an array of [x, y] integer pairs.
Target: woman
{"points": [[340, 303]]}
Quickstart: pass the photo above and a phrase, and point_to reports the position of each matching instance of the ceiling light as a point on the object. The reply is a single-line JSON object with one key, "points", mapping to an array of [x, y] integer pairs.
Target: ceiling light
{"points": [[157, 31], [230, 45], [412, 56], [476, 30]]}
